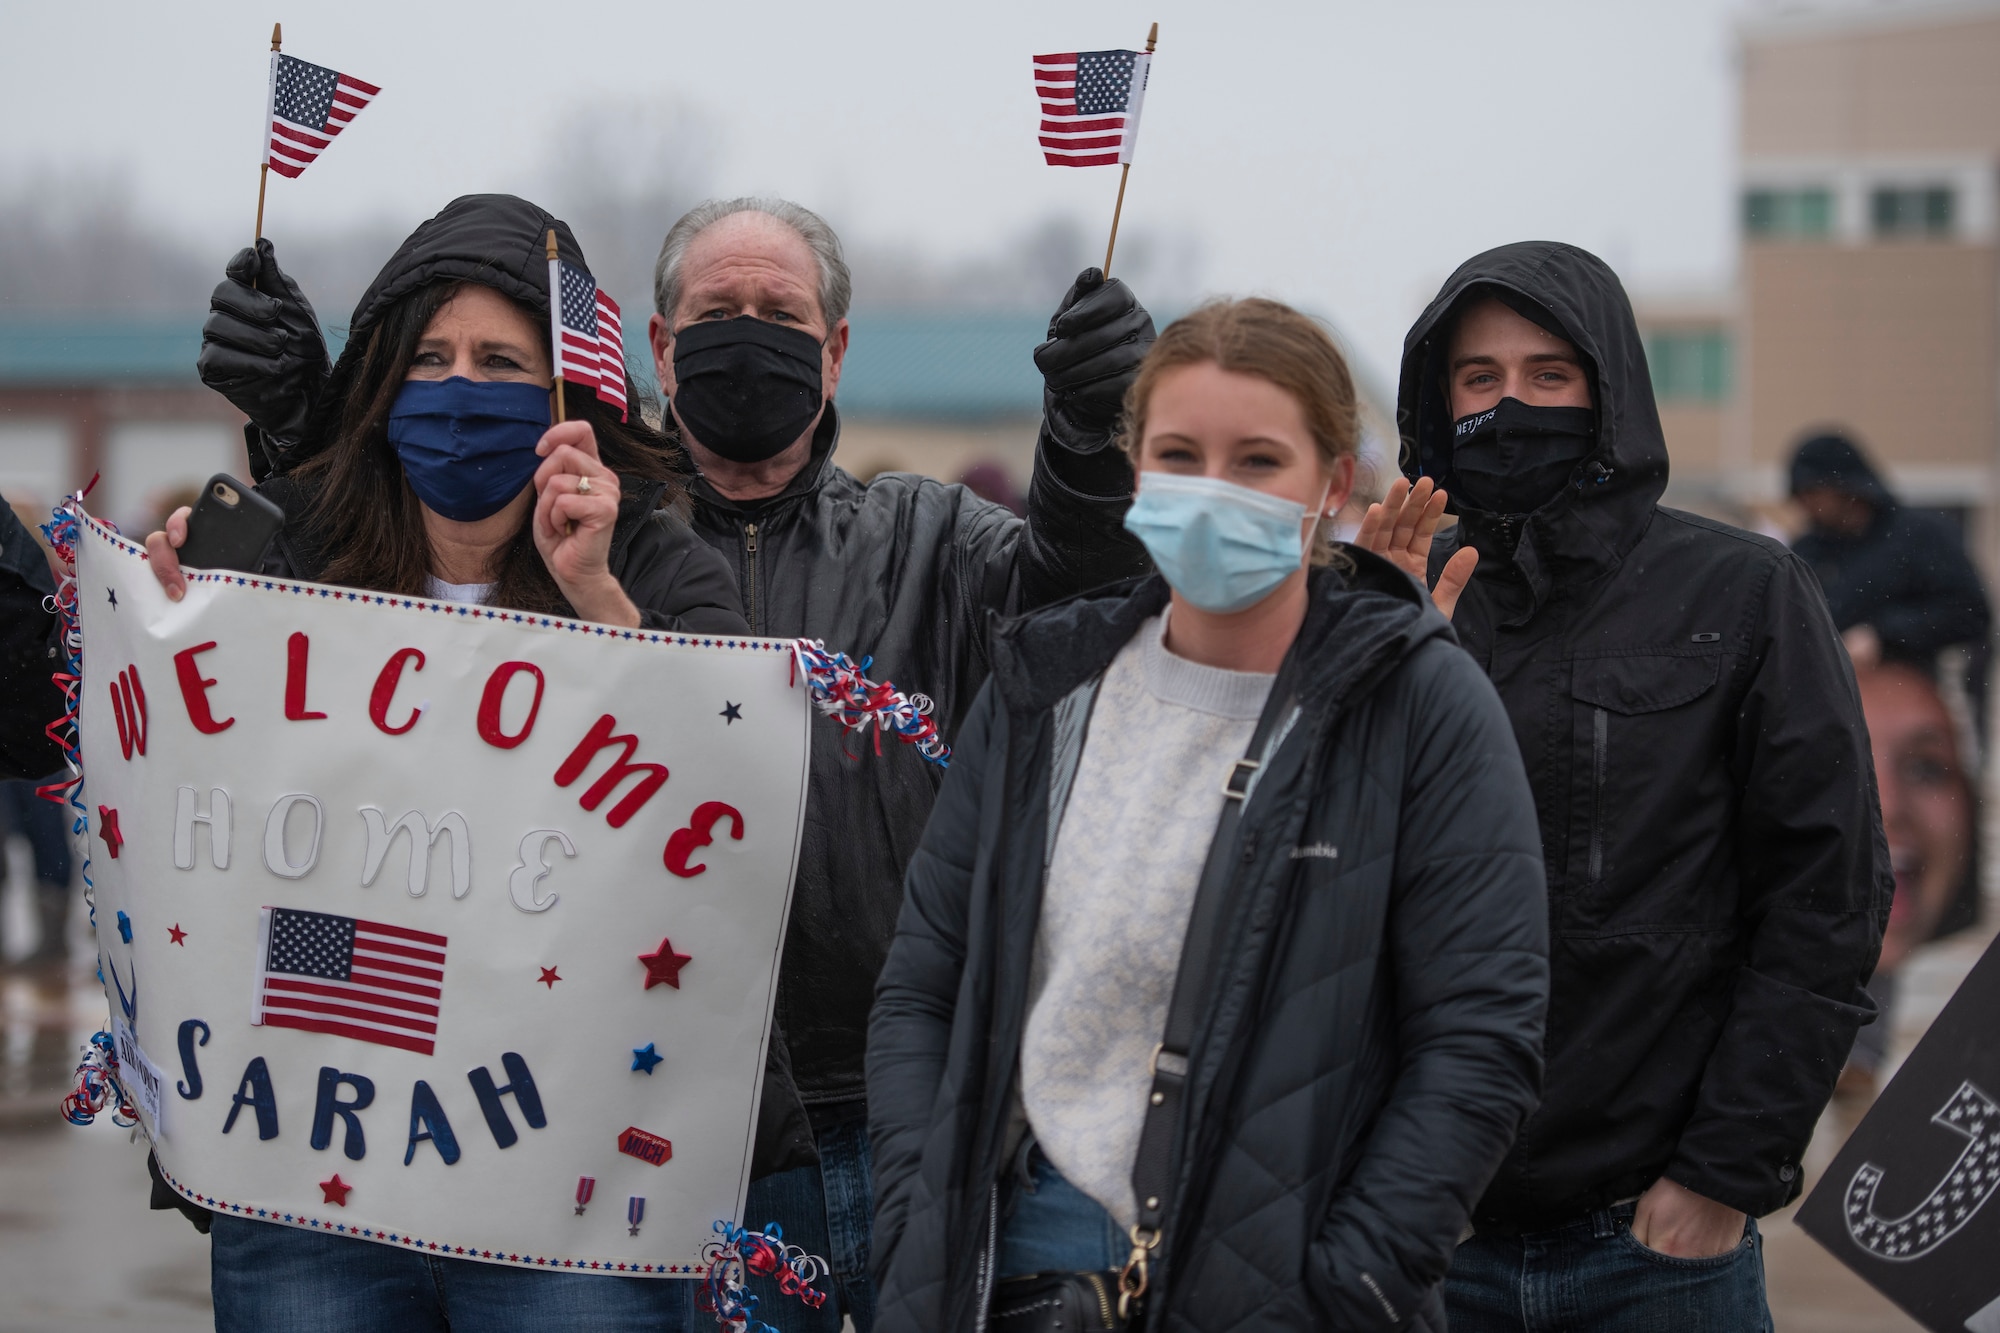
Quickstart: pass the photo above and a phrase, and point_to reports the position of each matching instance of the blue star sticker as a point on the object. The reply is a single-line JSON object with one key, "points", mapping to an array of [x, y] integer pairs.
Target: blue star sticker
{"points": [[731, 712], [644, 1058], [124, 927]]}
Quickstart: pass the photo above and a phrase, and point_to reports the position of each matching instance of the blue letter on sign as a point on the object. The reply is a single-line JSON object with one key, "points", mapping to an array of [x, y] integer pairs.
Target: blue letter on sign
{"points": [[427, 1121], [352, 1142], [525, 1096], [257, 1081]]}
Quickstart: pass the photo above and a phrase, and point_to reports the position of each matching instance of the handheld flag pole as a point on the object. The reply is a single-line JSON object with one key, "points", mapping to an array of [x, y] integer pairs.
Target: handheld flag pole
{"points": [[1125, 168], [555, 321], [270, 96]]}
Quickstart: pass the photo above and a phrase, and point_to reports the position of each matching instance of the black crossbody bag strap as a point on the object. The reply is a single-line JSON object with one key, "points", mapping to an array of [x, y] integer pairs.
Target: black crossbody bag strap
{"points": [[1153, 1167]]}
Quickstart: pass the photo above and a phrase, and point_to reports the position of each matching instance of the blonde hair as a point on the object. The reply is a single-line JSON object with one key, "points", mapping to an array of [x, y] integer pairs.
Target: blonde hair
{"points": [[1268, 339]]}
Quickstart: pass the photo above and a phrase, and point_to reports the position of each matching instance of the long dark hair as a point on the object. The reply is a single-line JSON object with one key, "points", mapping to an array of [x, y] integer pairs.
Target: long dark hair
{"points": [[370, 523]]}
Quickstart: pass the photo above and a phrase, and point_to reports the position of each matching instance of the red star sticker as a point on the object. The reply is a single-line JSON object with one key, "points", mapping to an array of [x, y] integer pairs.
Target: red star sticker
{"points": [[663, 966], [177, 935], [549, 977], [108, 829], [335, 1190]]}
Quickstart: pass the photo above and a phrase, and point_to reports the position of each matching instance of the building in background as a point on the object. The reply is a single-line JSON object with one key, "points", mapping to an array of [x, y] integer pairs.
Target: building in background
{"points": [[1868, 293]]}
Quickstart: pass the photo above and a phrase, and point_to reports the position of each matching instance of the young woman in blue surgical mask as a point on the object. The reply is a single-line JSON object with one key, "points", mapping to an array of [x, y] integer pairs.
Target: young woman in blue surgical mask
{"points": [[1219, 981], [432, 468]]}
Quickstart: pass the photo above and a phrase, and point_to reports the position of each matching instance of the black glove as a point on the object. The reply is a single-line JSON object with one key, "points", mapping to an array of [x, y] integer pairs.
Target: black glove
{"points": [[1097, 338], [261, 346]]}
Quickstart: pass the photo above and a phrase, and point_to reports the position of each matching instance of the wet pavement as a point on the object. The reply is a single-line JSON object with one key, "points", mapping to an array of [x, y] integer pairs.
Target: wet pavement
{"points": [[80, 1251]]}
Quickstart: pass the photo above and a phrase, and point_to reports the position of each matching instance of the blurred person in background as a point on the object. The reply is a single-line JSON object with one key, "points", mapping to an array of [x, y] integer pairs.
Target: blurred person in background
{"points": [[749, 335], [29, 656], [1898, 580], [989, 481], [1903, 593], [1930, 811], [1717, 872]]}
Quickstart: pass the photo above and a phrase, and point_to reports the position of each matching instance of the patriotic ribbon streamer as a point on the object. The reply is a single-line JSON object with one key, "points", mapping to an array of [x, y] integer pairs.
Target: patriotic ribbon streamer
{"points": [[62, 532], [841, 689], [737, 1256], [98, 1088]]}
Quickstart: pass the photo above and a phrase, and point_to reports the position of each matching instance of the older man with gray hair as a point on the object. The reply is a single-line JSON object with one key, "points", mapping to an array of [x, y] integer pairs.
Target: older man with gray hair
{"points": [[749, 338]]}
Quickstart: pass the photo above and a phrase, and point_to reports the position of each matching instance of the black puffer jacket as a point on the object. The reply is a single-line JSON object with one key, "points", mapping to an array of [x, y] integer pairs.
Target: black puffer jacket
{"points": [[905, 570], [1908, 575], [29, 654], [1718, 878], [1373, 1039]]}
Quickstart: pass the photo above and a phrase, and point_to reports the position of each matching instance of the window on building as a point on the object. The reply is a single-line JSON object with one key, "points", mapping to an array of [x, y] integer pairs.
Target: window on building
{"points": [[1792, 212], [1924, 210], [1689, 365]]}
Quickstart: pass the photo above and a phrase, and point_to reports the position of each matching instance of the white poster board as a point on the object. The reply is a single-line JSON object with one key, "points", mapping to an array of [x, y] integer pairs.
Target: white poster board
{"points": [[439, 926]]}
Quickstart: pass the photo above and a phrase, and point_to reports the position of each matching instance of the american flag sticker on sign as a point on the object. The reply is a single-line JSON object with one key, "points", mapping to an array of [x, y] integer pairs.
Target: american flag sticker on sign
{"points": [[350, 978]]}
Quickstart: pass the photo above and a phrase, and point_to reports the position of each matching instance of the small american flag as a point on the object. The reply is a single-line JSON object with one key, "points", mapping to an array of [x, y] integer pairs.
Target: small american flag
{"points": [[351, 978], [309, 105], [588, 336], [1090, 106]]}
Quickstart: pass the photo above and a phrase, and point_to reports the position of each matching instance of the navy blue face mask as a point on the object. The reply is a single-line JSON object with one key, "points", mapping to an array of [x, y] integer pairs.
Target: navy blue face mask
{"points": [[468, 446]]}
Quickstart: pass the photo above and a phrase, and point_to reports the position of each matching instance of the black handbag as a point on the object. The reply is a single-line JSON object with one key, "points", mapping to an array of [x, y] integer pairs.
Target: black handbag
{"points": [[1113, 1302], [1048, 1302]]}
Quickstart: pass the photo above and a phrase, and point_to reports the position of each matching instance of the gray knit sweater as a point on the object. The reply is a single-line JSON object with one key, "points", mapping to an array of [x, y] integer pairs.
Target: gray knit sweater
{"points": [[1142, 812]]}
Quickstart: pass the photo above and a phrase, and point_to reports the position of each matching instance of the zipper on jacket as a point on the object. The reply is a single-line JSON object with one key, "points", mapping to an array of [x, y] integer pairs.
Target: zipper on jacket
{"points": [[988, 1259], [1600, 727], [750, 577]]}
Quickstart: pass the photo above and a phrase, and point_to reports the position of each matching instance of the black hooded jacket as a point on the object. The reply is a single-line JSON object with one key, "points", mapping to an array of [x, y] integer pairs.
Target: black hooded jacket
{"points": [[1372, 1037], [901, 569], [1907, 576], [30, 654], [1718, 878]]}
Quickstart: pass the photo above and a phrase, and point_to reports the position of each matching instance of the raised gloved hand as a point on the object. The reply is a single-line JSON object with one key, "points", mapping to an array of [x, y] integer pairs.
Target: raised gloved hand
{"points": [[261, 346], [1097, 338]]}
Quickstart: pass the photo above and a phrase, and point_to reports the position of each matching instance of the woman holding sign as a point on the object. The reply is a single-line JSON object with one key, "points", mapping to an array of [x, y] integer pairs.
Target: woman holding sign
{"points": [[440, 475], [1189, 1009]]}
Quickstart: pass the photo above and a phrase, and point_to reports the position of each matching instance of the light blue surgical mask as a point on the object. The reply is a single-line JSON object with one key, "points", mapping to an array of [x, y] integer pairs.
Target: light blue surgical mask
{"points": [[1221, 546]]}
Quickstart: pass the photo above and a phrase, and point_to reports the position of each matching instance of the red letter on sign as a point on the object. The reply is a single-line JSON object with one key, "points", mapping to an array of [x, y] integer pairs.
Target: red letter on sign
{"points": [[489, 705], [195, 691], [385, 690], [700, 832], [295, 680], [128, 709], [599, 737]]}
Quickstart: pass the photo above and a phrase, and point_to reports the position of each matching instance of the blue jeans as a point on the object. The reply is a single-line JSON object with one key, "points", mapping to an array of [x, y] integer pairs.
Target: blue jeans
{"points": [[829, 1211], [1591, 1276], [1051, 1226], [268, 1278]]}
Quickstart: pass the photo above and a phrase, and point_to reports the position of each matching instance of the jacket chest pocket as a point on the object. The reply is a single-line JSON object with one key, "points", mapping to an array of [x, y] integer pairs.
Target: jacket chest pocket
{"points": [[1637, 723]]}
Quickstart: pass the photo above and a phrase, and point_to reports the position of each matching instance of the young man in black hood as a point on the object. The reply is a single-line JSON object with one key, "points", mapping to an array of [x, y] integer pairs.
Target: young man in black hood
{"points": [[1718, 878]]}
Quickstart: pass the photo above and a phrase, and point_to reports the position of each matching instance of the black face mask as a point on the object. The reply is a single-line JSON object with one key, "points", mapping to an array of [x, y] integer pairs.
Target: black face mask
{"points": [[747, 388], [1513, 458]]}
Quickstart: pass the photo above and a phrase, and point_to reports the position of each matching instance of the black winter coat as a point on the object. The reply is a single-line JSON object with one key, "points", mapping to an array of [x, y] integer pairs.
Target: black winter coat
{"points": [[1718, 878], [1373, 1039], [30, 654], [1908, 575], [905, 570]]}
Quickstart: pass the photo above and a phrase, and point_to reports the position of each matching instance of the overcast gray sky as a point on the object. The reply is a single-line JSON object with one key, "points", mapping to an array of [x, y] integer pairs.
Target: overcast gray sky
{"points": [[1342, 155]]}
